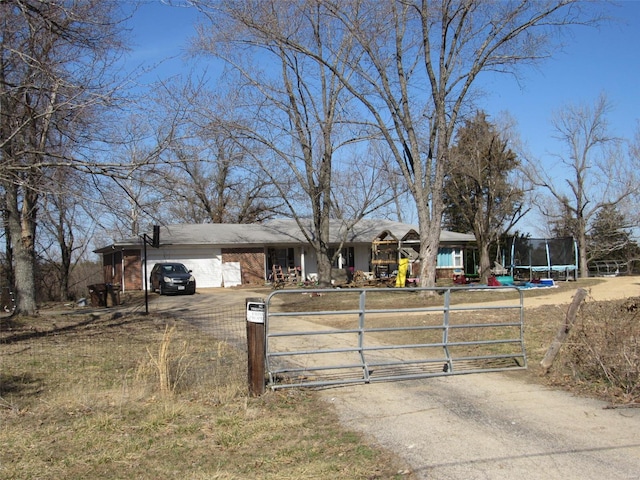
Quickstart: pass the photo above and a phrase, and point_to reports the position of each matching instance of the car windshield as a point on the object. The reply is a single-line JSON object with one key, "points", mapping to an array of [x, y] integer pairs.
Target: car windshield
{"points": [[174, 268]]}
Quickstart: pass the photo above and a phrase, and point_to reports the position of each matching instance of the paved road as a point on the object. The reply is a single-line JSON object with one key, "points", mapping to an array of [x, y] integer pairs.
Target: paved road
{"points": [[487, 426]]}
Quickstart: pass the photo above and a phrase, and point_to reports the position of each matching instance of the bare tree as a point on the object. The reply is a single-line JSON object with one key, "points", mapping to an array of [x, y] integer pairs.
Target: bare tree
{"points": [[365, 184], [57, 90], [300, 111], [210, 175], [210, 184], [416, 66], [53, 82], [62, 215], [412, 65], [595, 173], [130, 197]]}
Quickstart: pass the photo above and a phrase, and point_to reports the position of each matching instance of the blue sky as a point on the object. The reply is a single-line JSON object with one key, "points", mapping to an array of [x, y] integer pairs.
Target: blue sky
{"points": [[158, 38], [594, 61]]}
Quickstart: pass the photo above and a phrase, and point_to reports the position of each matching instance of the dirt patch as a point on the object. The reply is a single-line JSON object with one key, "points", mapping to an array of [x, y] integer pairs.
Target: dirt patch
{"points": [[601, 289]]}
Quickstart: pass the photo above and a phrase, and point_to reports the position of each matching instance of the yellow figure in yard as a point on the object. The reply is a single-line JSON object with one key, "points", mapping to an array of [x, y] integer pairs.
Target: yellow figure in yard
{"points": [[403, 266]]}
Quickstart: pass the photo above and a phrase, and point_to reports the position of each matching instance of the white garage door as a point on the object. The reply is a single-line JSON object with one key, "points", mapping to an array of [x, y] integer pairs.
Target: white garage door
{"points": [[205, 263]]}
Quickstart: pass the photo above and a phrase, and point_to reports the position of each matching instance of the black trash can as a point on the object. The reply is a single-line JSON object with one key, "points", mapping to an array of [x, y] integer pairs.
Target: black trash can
{"points": [[98, 294]]}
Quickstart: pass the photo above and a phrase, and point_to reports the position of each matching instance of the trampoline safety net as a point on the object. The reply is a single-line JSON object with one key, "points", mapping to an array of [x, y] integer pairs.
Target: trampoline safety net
{"points": [[548, 255]]}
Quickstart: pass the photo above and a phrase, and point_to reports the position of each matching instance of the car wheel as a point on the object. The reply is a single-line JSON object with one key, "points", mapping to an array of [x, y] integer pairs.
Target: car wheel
{"points": [[161, 288]]}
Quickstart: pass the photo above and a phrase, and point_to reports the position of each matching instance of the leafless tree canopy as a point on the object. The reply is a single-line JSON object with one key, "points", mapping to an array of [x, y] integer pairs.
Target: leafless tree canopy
{"points": [[406, 67], [290, 58], [596, 171], [54, 85]]}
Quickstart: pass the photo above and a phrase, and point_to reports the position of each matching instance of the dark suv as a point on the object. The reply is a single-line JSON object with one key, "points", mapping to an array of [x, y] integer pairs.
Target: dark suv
{"points": [[172, 278]]}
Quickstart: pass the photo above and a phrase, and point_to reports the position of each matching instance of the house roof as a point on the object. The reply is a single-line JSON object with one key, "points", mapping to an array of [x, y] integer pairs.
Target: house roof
{"points": [[276, 232]]}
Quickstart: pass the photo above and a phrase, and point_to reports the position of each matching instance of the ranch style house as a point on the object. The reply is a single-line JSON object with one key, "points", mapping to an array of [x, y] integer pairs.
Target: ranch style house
{"points": [[227, 255]]}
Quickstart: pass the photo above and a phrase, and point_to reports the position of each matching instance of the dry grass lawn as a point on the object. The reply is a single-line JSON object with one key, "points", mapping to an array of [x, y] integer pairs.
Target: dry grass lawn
{"points": [[133, 397]]}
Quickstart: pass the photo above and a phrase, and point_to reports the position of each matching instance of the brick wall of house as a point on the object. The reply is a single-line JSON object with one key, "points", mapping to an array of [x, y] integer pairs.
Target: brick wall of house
{"points": [[252, 263], [445, 273], [133, 270], [112, 269], [110, 266]]}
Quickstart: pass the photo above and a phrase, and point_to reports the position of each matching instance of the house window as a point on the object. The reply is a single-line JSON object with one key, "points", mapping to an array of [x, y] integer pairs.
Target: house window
{"points": [[457, 258], [450, 258], [283, 257]]}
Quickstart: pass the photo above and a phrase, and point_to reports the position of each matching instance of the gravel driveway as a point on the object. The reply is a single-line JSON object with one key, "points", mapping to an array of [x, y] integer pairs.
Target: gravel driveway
{"points": [[496, 425], [484, 426]]}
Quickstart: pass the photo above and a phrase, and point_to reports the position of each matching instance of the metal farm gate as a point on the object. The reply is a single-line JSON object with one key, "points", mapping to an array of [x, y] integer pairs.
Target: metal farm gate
{"points": [[318, 338]]}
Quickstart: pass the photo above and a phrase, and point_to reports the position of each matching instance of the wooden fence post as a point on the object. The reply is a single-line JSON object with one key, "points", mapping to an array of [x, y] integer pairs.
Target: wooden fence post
{"points": [[256, 336], [564, 330]]}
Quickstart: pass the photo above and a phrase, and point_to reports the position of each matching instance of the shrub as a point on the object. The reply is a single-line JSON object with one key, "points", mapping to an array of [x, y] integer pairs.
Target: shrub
{"points": [[604, 348]]}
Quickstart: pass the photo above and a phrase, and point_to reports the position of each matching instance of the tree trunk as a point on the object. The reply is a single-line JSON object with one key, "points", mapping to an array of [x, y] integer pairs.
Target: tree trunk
{"points": [[9, 268], [582, 255], [324, 269], [25, 277], [65, 267], [485, 262], [429, 244], [65, 273], [428, 260], [21, 224]]}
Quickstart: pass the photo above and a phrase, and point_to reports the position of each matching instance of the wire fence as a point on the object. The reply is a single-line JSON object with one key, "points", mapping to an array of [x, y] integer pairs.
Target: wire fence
{"points": [[226, 323], [75, 340]]}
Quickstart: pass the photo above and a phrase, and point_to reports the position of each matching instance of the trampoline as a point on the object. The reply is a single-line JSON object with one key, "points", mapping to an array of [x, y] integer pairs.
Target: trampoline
{"points": [[555, 258]]}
